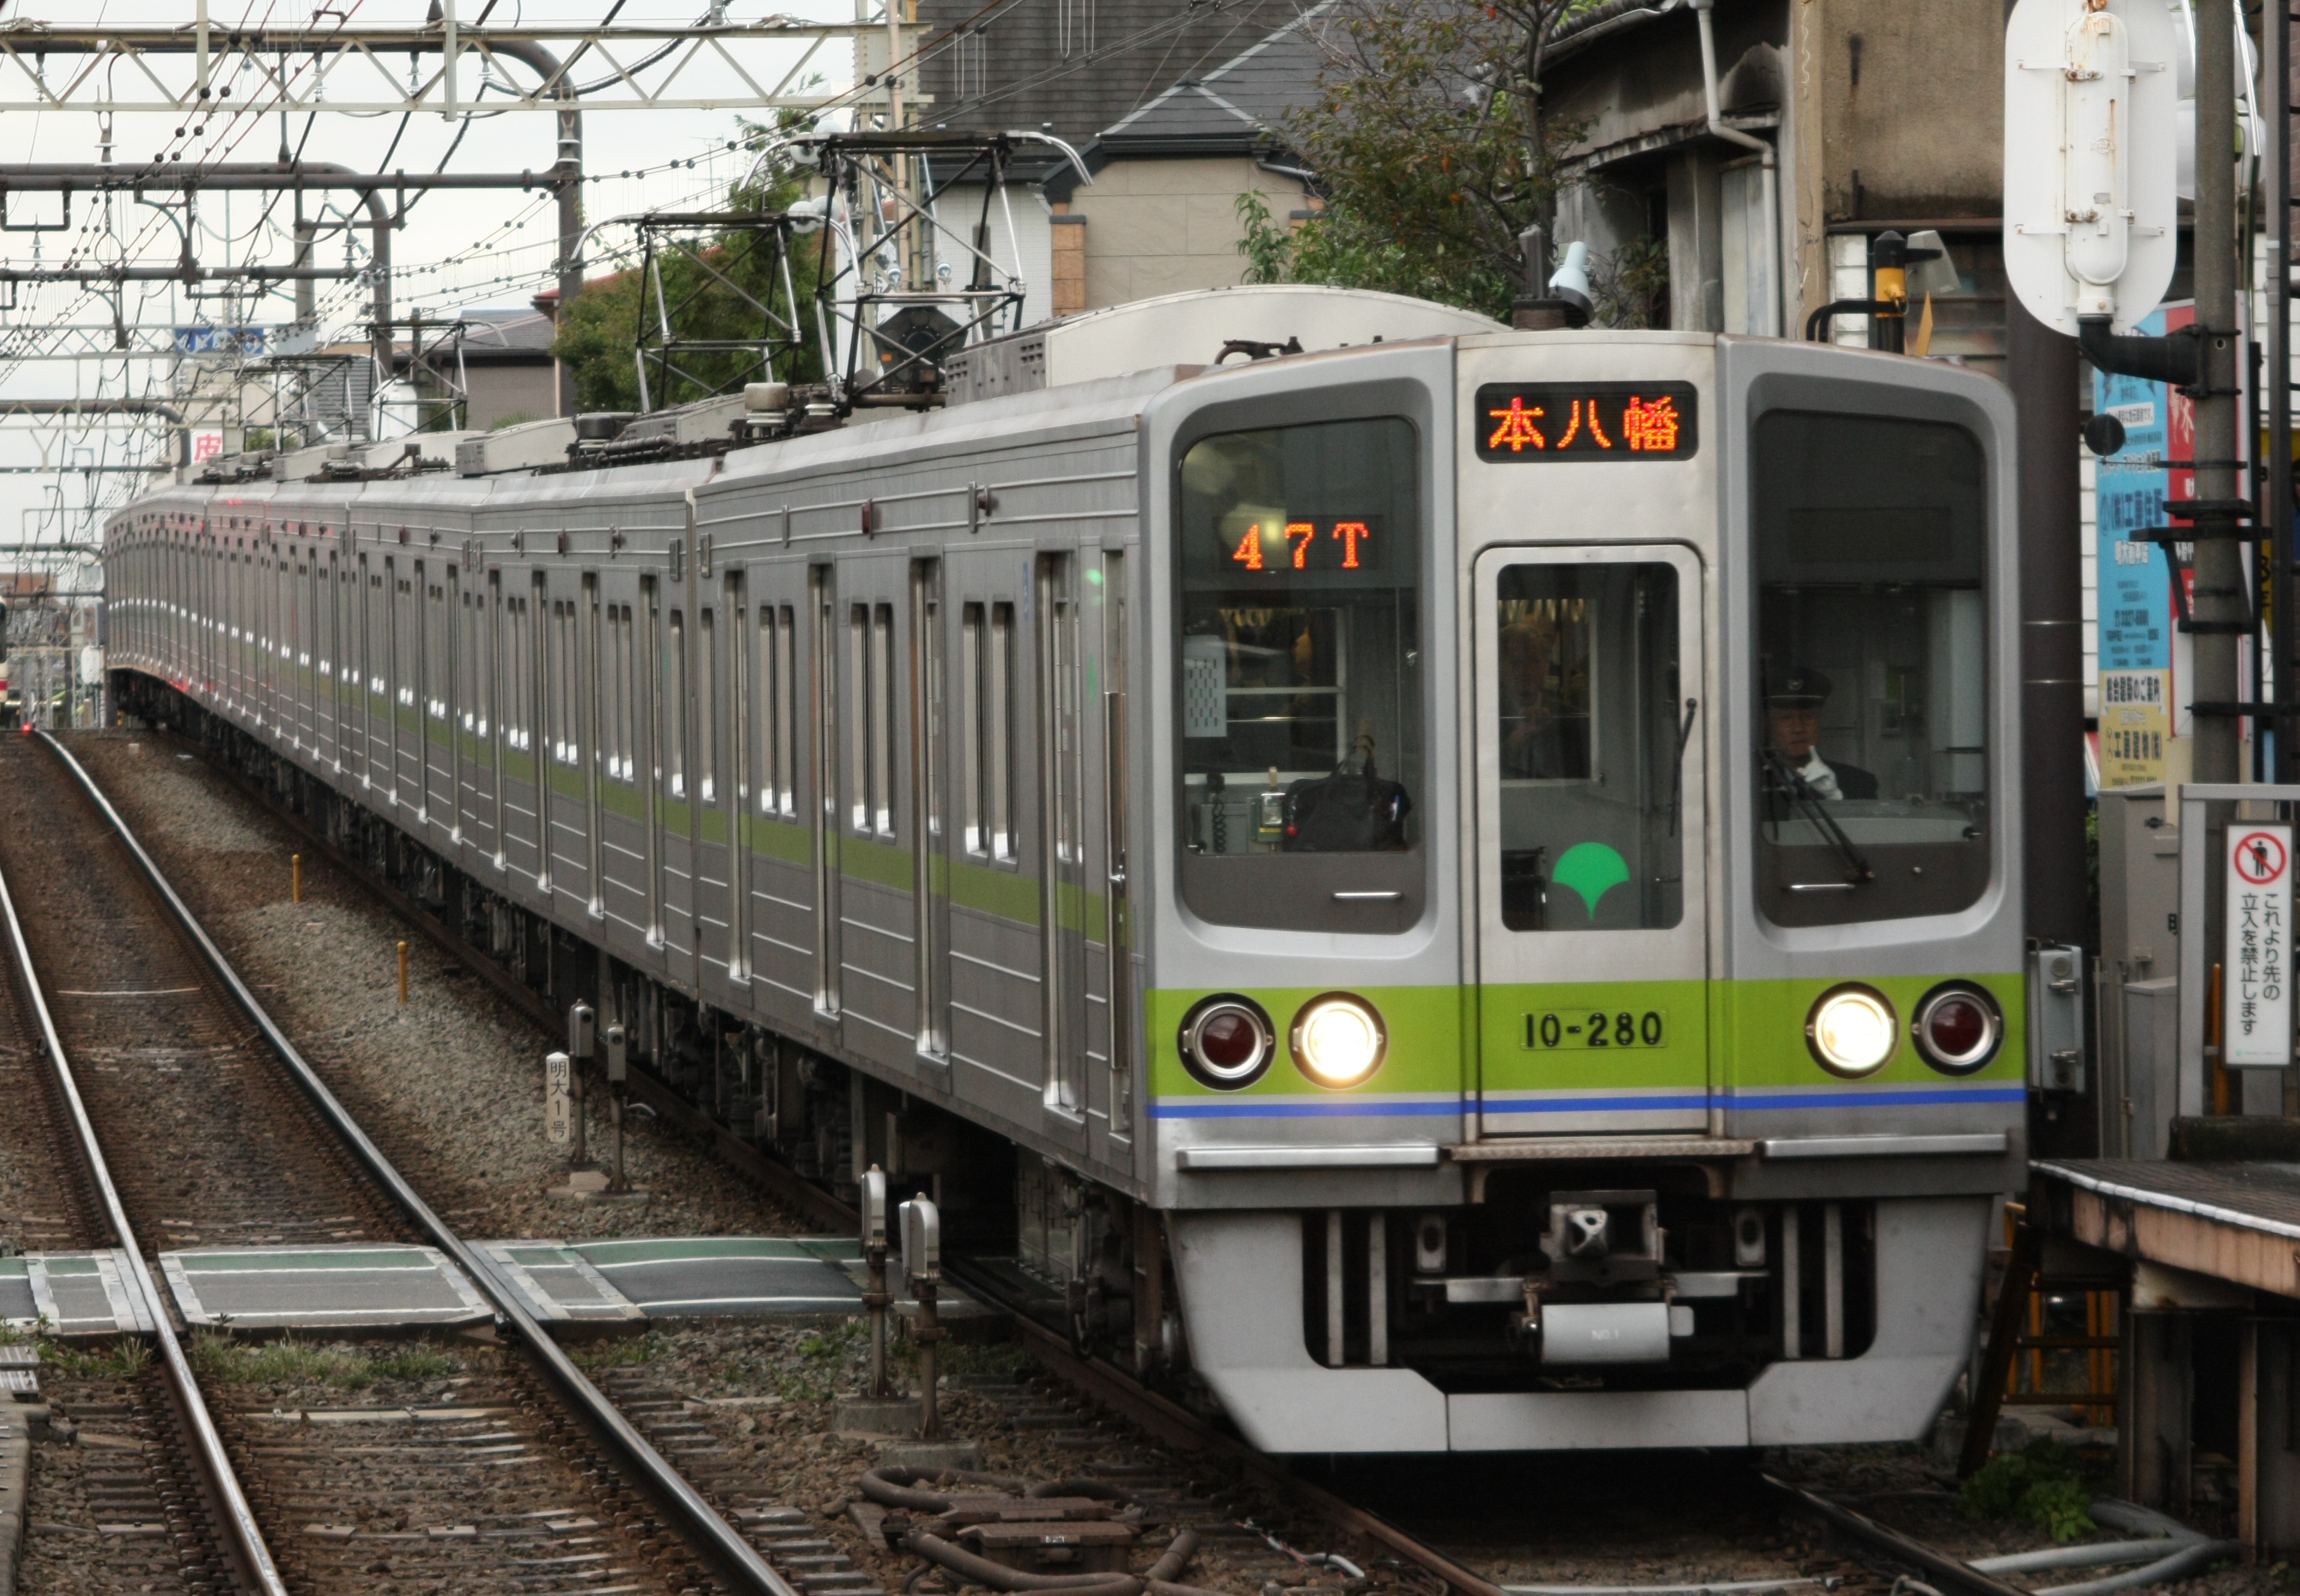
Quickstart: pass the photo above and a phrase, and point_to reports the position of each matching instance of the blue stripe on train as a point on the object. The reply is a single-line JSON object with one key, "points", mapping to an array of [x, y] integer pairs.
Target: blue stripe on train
{"points": [[1741, 1103]]}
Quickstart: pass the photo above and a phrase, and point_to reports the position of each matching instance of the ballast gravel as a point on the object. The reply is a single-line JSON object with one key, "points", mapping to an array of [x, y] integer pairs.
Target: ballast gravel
{"points": [[451, 1085]]}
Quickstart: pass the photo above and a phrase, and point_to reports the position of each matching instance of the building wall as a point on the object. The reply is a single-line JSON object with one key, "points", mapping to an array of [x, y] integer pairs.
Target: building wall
{"points": [[498, 392], [1923, 123], [1164, 225], [1025, 247]]}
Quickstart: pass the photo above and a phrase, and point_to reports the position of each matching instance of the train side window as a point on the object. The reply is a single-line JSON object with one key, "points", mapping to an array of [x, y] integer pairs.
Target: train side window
{"points": [[767, 697], [787, 710], [973, 647], [674, 710], [1871, 676], [623, 763], [858, 678], [518, 706], [740, 775], [884, 684], [999, 698], [706, 711], [1588, 736], [437, 655]]}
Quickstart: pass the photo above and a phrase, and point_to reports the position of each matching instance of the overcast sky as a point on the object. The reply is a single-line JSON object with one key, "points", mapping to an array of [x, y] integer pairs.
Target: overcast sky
{"points": [[458, 249]]}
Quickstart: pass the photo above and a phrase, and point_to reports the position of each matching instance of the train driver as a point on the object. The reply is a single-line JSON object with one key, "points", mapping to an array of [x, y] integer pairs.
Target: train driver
{"points": [[1792, 728]]}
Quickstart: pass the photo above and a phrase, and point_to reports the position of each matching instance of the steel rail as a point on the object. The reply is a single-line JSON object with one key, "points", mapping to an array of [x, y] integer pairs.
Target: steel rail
{"points": [[710, 1536], [1167, 1422], [238, 1518], [1883, 1547]]}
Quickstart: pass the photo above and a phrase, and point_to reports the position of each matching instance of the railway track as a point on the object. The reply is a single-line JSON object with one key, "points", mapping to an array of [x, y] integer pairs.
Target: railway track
{"points": [[1858, 1539], [178, 1116], [1861, 1541]]}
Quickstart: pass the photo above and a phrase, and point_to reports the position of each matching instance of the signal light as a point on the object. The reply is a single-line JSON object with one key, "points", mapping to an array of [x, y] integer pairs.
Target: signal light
{"points": [[1958, 1028], [1228, 1042]]}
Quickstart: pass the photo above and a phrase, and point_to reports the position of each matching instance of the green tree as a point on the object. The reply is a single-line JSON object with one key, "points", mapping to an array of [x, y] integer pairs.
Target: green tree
{"points": [[599, 330], [1433, 151]]}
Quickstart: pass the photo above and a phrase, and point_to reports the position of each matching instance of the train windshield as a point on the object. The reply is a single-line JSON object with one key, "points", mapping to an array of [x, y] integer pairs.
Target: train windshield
{"points": [[1871, 771], [1299, 699]]}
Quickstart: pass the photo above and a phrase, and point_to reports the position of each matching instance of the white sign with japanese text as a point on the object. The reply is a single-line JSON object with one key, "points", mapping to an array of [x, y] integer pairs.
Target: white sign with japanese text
{"points": [[2257, 1030], [558, 1119]]}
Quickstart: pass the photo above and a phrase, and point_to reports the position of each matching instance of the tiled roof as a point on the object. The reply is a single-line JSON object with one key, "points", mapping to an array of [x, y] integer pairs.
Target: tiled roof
{"points": [[1081, 64], [1247, 95]]}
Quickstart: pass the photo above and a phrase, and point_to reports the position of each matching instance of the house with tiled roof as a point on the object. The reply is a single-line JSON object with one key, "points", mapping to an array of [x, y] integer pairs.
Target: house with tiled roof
{"points": [[1176, 111]]}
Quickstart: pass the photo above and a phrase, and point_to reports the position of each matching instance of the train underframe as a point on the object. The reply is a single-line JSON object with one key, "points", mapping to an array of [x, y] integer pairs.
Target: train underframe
{"points": [[1573, 1305]]}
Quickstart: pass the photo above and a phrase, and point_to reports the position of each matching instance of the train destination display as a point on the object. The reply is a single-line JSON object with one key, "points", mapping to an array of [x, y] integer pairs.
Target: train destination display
{"points": [[1586, 420]]}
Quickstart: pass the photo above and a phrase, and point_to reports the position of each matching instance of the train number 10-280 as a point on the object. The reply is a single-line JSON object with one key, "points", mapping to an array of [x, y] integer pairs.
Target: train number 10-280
{"points": [[1595, 1028]]}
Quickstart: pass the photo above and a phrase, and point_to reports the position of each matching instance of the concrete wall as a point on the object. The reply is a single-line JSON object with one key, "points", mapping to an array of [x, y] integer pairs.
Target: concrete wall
{"points": [[500, 391], [1025, 248], [1924, 125], [1161, 225]]}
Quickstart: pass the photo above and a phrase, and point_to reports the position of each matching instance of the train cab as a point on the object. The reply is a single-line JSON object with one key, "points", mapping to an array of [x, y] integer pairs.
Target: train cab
{"points": [[1593, 966]]}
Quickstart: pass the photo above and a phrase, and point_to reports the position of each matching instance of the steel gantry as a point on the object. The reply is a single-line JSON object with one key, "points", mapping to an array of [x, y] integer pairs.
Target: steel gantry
{"points": [[206, 66]]}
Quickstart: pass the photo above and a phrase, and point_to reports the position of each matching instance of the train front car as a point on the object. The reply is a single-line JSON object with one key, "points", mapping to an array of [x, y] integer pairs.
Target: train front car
{"points": [[1586, 1002]]}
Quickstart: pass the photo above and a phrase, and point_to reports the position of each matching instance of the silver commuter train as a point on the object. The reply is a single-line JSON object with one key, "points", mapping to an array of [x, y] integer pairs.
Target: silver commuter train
{"points": [[1532, 810]]}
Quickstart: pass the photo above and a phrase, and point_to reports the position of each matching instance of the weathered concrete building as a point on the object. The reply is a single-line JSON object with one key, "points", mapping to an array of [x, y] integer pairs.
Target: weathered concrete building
{"points": [[1882, 116]]}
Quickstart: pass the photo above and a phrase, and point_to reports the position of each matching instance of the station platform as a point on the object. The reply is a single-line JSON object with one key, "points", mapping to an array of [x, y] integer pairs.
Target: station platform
{"points": [[73, 1293], [354, 1287], [2237, 1223], [2207, 1256]]}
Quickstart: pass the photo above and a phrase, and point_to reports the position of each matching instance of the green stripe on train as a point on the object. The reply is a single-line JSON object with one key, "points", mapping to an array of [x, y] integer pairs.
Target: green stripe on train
{"points": [[1725, 1033]]}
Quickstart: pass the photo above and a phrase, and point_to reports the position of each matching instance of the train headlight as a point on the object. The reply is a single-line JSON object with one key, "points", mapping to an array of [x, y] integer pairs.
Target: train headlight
{"points": [[1338, 1040], [1227, 1042], [1852, 1030], [1958, 1028]]}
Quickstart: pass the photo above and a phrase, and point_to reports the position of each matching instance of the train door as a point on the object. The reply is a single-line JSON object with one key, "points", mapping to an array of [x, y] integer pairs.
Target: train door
{"points": [[1592, 917], [1115, 924], [779, 915], [1061, 837], [711, 780], [877, 824], [992, 927], [822, 771], [929, 806]]}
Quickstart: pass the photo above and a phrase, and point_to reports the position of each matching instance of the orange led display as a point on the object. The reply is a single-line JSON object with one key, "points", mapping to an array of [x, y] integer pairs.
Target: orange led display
{"points": [[1298, 546], [1586, 420]]}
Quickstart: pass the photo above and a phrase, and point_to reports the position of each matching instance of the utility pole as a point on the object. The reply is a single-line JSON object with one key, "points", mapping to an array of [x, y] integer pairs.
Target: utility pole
{"points": [[2222, 609]]}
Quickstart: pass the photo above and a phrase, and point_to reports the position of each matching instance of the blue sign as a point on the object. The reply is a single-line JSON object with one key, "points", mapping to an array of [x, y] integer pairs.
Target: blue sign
{"points": [[219, 340], [2130, 486]]}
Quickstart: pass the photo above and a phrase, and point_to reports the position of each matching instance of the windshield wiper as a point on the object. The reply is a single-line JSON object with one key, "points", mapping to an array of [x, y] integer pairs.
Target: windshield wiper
{"points": [[1815, 808]]}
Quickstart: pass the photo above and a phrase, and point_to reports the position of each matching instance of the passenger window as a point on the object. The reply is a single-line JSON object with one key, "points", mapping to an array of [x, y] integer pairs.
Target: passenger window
{"points": [[1589, 734], [858, 676], [674, 709], [706, 714], [1871, 539]]}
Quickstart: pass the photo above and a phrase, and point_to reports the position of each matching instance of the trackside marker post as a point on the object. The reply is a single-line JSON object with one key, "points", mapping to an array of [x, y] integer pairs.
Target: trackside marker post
{"points": [[296, 877], [874, 1253], [923, 1270], [579, 1036], [618, 1076], [556, 1069], [403, 975]]}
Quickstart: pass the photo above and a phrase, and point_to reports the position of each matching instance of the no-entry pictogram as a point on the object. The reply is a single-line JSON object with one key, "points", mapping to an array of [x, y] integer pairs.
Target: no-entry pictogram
{"points": [[2256, 1027], [2258, 857]]}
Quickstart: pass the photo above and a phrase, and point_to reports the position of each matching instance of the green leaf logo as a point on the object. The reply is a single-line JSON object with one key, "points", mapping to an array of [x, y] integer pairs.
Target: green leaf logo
{"points": [[1591, 870]]}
